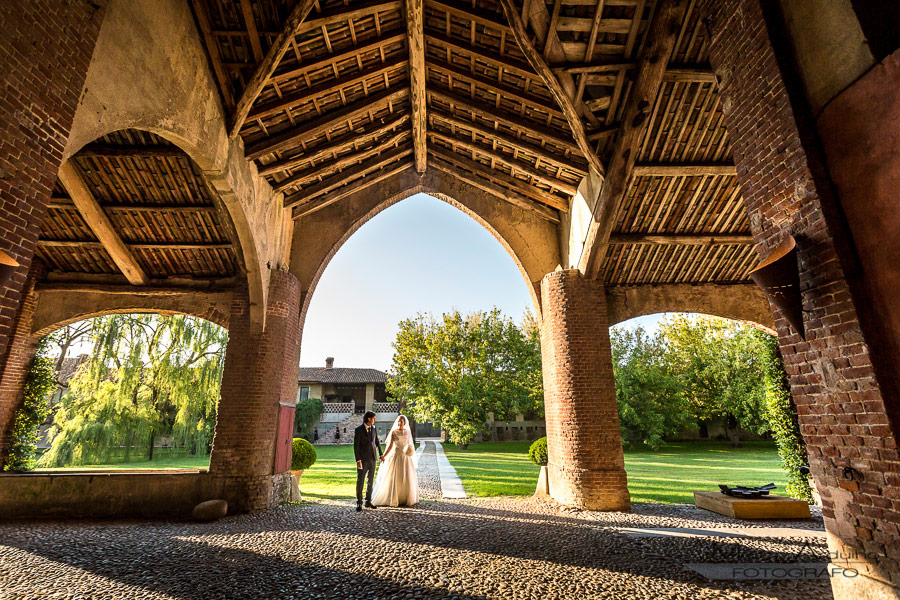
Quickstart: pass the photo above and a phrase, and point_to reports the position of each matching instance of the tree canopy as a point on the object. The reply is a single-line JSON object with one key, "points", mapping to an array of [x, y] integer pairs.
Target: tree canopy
{"points": [[457, 369], [149, 376]]}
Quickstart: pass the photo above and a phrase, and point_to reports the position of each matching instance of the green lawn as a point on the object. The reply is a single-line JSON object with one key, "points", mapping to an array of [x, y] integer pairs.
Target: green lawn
{"points": [[670, 475], [503, 469]]}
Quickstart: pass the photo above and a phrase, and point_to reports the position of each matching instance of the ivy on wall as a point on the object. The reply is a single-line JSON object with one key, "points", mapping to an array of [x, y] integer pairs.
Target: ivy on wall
{"points": [[39, 385], [782, 417]]}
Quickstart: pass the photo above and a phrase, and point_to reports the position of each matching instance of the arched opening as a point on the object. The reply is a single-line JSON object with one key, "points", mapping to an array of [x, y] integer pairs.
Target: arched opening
{"points": [[701, 402], [424, 254], [128, 391]]}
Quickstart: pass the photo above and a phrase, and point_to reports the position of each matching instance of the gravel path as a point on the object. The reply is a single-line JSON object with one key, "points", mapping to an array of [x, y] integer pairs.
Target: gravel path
{"points": [[504, 548], [429, 477]]}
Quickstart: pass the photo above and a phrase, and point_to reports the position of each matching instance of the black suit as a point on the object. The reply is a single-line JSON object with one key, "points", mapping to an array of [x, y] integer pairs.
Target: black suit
{"points": [[365, 443]]}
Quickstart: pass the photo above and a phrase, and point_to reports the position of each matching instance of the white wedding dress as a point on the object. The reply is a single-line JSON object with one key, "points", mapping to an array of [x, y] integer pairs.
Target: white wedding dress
{"points": [[396, 483]]}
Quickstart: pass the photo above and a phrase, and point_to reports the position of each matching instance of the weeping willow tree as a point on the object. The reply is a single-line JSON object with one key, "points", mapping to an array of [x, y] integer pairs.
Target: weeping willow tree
{"points": [[149, 377]]}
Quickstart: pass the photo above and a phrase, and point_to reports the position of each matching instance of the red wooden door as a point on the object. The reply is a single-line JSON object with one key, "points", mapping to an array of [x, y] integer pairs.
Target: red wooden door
{"points": [[284, 439]]}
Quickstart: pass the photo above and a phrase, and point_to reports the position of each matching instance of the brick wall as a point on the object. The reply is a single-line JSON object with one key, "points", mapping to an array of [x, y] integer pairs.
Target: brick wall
{"points": [[586, 462], [260, 374], [44, 55], [14, 366], [838, 397]]}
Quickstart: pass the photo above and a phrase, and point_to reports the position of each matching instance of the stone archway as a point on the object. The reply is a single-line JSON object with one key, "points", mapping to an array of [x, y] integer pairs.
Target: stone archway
{"points": [[530, 240]]}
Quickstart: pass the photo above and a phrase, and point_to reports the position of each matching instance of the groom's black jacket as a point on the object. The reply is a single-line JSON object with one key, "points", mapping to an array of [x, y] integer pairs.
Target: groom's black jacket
{"points": [[365, 443]]}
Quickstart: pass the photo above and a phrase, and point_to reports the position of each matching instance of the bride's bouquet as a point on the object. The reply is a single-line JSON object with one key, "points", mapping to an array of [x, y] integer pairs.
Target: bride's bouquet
{"points": [[408, 450]]}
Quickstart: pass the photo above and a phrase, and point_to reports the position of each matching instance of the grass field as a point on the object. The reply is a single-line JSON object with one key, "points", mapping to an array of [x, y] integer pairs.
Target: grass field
{"points": [[162, 462], [502, 468]]}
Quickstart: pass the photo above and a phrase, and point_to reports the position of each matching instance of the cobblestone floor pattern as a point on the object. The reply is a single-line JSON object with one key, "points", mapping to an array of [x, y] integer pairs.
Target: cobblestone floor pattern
{"points": [[504, 548]]}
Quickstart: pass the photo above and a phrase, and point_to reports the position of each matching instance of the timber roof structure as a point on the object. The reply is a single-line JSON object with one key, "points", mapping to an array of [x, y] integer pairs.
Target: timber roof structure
{"points": [[333, 95]]}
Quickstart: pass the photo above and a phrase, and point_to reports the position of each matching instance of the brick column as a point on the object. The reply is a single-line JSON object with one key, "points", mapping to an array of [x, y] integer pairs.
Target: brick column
{"points": [[45, 53], [586, 463], [840, 399], [260, 375], [14, 366]]}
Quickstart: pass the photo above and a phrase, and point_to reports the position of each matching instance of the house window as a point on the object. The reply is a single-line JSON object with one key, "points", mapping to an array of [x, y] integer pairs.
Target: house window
{"points": [[304, 394]]}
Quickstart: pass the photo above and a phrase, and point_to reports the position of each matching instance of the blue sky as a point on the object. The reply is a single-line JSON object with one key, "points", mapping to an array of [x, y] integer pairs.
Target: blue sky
{"points": [[420, 255]]}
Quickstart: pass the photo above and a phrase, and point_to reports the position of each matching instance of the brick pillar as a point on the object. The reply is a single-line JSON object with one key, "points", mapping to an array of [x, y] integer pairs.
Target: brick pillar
{"points": [[260, 375], [840, 400], [586, 463], [14, 366], [45, 52]]}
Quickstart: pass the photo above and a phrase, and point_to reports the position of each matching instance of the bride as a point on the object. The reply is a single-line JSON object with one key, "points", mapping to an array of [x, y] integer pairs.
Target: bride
{"points": [[396, 483]]}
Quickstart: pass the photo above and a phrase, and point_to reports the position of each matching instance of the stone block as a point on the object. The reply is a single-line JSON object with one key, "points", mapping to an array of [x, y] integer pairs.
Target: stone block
{"points": [[210, 510], [770, 507]]}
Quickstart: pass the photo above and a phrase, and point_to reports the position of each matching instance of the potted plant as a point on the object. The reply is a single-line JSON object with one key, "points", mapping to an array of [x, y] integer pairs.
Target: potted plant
{"points": [[538, 455], [303, 456]]}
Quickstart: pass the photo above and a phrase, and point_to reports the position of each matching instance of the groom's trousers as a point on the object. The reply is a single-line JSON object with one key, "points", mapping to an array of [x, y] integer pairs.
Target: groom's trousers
{"points": [[367, 472]]}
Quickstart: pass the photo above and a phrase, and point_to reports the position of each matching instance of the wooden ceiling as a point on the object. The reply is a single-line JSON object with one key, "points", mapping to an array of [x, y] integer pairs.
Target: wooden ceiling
{"points": [[150, 204], [333, 95]]}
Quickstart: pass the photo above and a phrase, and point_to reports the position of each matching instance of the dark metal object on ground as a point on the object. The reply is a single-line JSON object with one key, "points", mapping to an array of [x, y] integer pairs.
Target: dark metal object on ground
{"points": [[741, 491]]}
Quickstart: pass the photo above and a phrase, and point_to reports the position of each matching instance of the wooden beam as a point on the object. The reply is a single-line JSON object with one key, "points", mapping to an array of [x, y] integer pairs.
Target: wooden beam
{"points": [[337, 180], [509, 161], [689, 75], [415, 41], [501, 61], [350, 12], [505, 91], [523, 188], [67, 204], [562, 98], [310, 129], [138, 246], [680, 239], [661, 36], [268, 65], [332, 60], [213, 48], [113, 151], [508, 140], [354, 139], [683, 170], [100, 224], [378, 70], [512, 121], [502, 193], [304, 177], [250, 22], [320, 203], [477, 16]]}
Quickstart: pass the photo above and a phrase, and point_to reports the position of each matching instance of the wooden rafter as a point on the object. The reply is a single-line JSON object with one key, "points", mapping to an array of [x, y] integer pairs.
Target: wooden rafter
{"points": [[415, 42], [680, 239], [213, 49], [683, 170], [289, 101], [332, 60], [500, 192], [112, 151], [355, 139], [508, 140], [536, 60], [310, 129], [268, 65], [661, 36], [100, 224], [508, 181], [508, 161], [67, 204], [341, 178], [137, 246], [369, 181], [303, 178]]}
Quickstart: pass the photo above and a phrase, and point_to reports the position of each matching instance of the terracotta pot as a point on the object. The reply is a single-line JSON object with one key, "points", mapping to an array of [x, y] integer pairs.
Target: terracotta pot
{"points": [[7, 267], [297, 474], [779, 278]]}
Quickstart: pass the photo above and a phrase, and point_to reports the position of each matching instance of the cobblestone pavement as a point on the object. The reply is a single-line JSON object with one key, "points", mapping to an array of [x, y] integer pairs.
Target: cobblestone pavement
{"points": [[500, 548], [429, 476]]}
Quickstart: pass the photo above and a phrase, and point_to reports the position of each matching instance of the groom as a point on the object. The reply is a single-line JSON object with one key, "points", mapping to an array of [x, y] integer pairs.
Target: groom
{"points": [[365, 441]]}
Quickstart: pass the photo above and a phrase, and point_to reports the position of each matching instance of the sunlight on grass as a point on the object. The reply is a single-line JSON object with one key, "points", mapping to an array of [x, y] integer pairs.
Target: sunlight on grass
{"points": [[669, 476]]}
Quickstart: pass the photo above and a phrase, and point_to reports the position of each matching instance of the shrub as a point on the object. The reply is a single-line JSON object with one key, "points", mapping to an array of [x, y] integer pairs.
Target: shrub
{"points": [[39, 384], [782, 416], [538, 452], [303, 455], [307, 415]]}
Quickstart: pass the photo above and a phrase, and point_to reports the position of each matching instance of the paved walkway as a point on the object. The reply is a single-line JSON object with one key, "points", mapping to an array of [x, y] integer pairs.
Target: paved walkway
{"points": [[498, 548], [451, 484]]}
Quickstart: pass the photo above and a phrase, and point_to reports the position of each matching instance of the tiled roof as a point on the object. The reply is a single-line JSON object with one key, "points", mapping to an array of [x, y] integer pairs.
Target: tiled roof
{"points": [[338, 375]]}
